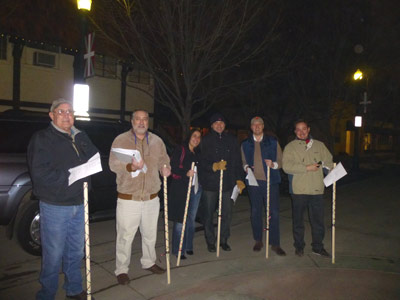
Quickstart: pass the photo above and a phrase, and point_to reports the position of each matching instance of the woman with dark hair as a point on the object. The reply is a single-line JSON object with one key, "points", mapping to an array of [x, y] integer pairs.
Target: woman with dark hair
{"points": [[181, 162]]}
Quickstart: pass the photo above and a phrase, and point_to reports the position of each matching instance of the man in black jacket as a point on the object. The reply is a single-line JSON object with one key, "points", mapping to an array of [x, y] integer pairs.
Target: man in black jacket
{"points": [[51, 153], [219, 151]]}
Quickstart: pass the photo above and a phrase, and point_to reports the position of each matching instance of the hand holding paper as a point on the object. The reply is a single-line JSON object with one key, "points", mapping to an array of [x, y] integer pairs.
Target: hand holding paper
{"points": [[337, 173], [92, 166], [128, 156]]}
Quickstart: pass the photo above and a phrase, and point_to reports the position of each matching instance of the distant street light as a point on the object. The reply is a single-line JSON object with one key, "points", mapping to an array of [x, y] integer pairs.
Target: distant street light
{"points": [[358, 121], [84, 4], [358, 75]]}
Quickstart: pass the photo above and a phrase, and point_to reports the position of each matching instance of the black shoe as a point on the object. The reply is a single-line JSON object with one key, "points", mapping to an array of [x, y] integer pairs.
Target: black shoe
{"points": [[183, 256], [226, 247], [278, 250], [189, 252], [81, 296], [299, 252], [258, 246], [322, 253], [211, 248]]}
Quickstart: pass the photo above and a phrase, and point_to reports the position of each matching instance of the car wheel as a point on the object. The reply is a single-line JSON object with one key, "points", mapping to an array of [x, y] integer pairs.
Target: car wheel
{"points": [[28, 229]]}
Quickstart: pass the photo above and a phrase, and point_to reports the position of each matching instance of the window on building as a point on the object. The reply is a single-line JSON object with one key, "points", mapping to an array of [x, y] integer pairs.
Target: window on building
{"points": [[105, 66], [138, 75], [3, 47]]}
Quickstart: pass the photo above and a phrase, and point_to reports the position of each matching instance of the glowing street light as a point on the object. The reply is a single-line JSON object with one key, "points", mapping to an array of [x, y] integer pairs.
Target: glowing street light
{"points": [[358, 75], [358, 121], [81, 101], [84, 4]]}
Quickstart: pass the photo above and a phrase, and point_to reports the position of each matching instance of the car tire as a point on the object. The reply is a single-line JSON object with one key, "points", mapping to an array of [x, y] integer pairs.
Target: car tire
{"points": [[28, 229]]}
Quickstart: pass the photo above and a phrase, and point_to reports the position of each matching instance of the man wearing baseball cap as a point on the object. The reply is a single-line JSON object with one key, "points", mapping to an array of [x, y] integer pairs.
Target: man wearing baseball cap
{"points": [[260, 151], [219, 151]]}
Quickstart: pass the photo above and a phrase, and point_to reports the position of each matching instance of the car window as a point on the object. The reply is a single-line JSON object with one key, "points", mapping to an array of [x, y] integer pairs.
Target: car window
{"points": [[15, 135]]}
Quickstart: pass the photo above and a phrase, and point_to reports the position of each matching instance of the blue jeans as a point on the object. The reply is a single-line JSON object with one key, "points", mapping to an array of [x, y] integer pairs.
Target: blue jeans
{"points": [[258, 199], [62, 236], [190, 225]]}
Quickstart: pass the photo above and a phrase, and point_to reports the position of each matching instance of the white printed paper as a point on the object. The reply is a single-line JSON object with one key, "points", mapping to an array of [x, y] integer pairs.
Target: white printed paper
{"points": [[195, 181], [235, 193], [92, 166], [251, 178], [337, 173], [126, 156]]}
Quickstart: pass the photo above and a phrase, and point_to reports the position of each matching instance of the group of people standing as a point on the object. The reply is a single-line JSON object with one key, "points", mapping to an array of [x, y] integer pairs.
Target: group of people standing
{"points": [[53, 151]]}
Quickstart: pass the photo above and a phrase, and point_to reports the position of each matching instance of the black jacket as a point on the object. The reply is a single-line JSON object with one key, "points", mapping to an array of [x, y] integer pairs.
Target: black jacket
{"points": [[213, 148], [51, 153], [179, 182]]}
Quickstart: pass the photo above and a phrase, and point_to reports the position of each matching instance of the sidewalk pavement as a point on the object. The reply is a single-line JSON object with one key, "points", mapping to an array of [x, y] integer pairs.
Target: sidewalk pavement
{"points": [[367, 257]]}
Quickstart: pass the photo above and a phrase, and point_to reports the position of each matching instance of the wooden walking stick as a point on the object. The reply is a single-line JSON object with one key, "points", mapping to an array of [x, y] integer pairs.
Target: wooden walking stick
{"points": [[221, 177], [184, 217], [87, 241], [267, 229], [333, 217], [166, 228]]}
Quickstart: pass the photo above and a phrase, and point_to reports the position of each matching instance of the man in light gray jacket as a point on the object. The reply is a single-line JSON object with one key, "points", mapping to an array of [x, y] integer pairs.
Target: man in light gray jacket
{"points": [[303, 160]]}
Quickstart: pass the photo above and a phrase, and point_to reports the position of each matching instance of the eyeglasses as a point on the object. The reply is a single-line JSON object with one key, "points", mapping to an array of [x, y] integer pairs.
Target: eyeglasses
{"points": [[61, 112]]}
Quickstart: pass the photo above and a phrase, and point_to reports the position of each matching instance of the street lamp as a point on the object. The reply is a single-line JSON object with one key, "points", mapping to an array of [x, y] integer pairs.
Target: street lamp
{"points": [[84, 4], [358, 75], [84, 7]]}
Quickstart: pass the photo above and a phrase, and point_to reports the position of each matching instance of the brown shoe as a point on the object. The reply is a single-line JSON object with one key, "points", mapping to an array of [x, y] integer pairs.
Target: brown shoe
{"points": [[81, 296], [123, 279], [278, 250], [156, 269], [258, 246]]}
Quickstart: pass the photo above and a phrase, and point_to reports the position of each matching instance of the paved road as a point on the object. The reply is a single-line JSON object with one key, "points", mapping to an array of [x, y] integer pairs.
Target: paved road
{"points": [[367, 257]]}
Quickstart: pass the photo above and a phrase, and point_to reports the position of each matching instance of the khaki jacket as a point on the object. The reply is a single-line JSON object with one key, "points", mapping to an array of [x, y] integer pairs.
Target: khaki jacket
{"points": [[152, 150], [295, 159]]}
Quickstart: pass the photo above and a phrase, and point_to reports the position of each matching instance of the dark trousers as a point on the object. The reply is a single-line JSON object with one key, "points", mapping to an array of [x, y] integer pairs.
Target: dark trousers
{"points": [[210, 204], [315, 206], [258, 200]]}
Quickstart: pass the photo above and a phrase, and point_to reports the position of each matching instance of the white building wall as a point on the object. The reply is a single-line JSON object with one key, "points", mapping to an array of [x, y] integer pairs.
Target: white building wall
{"points": [[43, 84]]}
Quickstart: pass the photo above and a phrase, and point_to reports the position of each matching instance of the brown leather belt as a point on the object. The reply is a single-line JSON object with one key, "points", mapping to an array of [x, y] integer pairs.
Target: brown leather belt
{"points": [[129, 196]]}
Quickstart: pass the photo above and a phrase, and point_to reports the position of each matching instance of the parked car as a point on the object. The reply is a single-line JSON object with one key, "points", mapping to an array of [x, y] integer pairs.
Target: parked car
{"points": [[19, 207]]}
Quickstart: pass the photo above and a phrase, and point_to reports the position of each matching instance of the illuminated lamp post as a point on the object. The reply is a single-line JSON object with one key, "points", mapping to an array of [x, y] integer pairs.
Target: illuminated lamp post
{"points": [[358, 75], [84, 7], [81, 90]]}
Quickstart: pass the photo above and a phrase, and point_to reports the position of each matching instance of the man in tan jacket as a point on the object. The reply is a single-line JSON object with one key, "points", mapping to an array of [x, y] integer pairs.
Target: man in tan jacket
{"points": [[304, 160], [138, 184]]}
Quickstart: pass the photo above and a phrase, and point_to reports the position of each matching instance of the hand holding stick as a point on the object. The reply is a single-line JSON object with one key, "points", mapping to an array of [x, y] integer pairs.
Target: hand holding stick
{"points": [[221, 177], [166, 228], [267, 229], [184, 217]]}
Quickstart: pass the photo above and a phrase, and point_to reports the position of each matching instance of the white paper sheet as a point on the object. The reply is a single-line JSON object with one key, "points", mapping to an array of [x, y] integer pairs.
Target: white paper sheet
{"points": [[235, 193], [92, 166], [195, 181], [251, 178], [126, 156], [337, 173]]}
